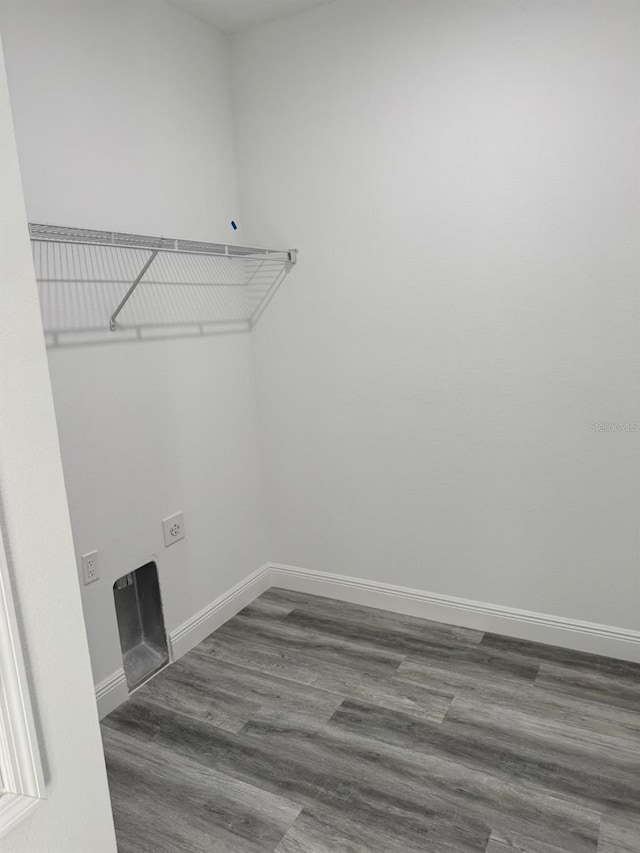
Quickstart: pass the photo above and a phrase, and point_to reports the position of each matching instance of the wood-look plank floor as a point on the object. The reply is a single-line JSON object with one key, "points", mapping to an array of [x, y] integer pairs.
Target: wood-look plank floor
{"points": [[306, 725]]}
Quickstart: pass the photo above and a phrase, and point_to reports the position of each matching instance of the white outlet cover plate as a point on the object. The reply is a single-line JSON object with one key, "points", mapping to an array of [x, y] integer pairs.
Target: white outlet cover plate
{"points": [[90, 567], [173, 528]]}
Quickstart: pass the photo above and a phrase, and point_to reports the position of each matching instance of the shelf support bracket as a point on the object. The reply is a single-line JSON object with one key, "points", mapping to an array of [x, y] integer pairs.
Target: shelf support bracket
{"points": [[112, 321]]}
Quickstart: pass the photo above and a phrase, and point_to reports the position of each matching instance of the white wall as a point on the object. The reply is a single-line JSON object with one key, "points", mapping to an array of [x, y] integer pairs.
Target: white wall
{"points": [[75, 817], [462, 181], [461, 178], [122, 113]]}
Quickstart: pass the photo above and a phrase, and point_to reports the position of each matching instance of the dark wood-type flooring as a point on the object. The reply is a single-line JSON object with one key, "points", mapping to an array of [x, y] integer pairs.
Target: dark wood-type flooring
{"points": [[307, 725]]}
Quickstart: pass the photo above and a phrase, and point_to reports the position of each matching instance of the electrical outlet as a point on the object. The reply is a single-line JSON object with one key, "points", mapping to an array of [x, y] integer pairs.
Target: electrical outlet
{"points": [[173, 528], [90, 567]]}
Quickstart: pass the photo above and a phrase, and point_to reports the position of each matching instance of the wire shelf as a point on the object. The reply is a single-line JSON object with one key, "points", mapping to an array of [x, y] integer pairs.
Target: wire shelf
{"points": [[91, 280]]}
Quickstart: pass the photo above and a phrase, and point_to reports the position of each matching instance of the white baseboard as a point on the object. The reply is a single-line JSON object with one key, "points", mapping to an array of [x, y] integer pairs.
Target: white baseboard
{"points": [[111, 692], [590, 637], [195, 629]]}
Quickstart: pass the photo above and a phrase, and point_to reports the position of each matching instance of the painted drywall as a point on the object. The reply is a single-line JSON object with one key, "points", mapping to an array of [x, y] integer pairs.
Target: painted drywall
{"points": [[231, 16], [461, 179], [123, 121], [75, 817]]}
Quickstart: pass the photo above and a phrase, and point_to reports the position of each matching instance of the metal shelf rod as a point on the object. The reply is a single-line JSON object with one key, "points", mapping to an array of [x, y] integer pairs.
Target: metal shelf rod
{"points": [[112, 321], [256, 255]]}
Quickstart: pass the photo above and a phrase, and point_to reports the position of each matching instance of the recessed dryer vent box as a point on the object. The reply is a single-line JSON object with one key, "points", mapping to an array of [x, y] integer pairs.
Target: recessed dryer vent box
{"points": [[143, 638]]}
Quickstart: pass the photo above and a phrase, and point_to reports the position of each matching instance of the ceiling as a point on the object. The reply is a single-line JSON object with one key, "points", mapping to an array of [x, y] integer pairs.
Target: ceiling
{"points": [[231, 16]]}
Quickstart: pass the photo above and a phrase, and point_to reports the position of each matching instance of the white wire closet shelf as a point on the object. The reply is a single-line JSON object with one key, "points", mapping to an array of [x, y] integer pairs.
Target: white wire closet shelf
{"points": [[92, 280]]}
